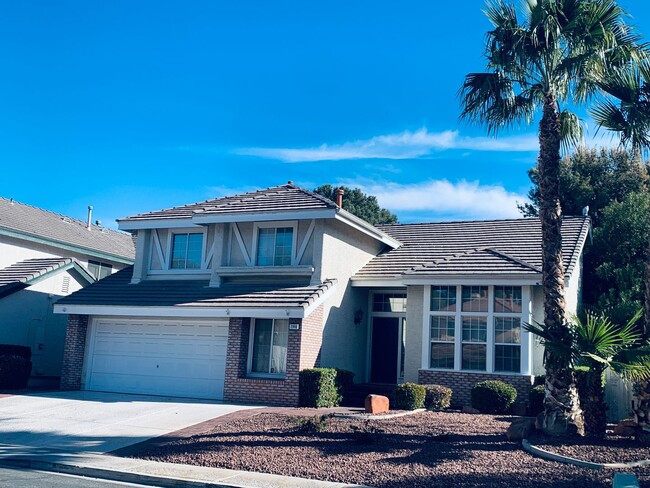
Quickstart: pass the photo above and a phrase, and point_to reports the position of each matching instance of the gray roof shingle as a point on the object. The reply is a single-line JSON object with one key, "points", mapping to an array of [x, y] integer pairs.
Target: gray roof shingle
{"points": [[56, 228], [116, 290], [512, 247], [276, 199], [19, 275]]}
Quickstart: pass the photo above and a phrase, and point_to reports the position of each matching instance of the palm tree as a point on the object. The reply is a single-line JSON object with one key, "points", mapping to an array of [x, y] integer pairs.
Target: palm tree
{"points": [[629, 116], [599, 344], [548, 59]]}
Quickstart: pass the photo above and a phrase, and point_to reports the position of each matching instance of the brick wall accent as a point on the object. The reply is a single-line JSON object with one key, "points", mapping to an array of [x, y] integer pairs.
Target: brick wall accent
{"points": [[461, 384], [73, 352], [303, 352]]}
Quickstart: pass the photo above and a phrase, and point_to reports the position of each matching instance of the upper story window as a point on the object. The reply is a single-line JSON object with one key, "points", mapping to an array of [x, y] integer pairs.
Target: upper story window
{"points": [[186, 251], [99, 270], [275, 246]]}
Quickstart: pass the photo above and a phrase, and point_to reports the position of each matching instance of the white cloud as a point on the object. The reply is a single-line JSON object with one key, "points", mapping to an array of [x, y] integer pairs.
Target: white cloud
{"points": [[442, 199], [404, 145]]}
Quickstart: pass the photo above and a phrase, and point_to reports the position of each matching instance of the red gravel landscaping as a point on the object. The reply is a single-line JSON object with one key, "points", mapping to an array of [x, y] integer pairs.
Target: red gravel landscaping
{"points": [[427, 449]]}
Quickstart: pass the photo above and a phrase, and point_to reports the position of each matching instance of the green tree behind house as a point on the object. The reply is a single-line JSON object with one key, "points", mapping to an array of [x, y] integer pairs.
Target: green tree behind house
{"points": [[360, 204]]}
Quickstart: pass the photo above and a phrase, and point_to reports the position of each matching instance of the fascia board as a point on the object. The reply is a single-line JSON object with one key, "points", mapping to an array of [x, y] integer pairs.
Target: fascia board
{"points": [[155, 224], [73, 265], [208, 218], [68, 247], [207, 312], [366, 228], [472, 279], [377, 282]]}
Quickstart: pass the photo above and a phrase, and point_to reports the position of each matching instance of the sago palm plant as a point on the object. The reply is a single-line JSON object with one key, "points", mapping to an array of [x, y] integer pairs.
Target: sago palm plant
{"points": [[598, 343]]}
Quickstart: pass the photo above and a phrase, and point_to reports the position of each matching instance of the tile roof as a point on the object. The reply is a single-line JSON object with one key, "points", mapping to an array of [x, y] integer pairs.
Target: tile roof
{"points": [[116, 290], [19, 275], [508, 247], [275, 199], [43, 224]]}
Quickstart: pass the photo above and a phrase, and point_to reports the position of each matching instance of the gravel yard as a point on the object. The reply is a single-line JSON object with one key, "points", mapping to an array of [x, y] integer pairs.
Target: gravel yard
{"points": [[426, 449]]}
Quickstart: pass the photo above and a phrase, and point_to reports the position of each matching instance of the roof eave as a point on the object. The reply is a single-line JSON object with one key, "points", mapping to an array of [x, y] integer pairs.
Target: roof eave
{"points": [[366, 228], [204, 218]]}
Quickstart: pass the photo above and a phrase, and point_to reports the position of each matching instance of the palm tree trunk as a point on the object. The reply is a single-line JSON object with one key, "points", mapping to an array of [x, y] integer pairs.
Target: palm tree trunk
{"points": [[593, 400], [562, 412]]}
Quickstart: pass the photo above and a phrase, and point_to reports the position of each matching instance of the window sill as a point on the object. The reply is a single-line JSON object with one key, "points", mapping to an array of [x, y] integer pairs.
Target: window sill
{"points": [[254, 378]]}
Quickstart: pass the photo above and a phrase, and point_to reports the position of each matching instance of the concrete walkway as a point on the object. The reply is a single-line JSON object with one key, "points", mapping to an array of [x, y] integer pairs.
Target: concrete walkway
{"points": [[70, 432]]}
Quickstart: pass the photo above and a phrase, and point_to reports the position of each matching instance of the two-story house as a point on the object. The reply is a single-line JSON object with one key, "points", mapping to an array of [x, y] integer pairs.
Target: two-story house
{"points": [[44, 256], [230, 298]]}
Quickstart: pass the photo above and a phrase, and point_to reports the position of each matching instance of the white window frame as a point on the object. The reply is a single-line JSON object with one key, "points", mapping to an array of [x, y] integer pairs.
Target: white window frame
{"points": [[168, 256], [102, 265], [249, 362], [525, 338], [276, 225]]}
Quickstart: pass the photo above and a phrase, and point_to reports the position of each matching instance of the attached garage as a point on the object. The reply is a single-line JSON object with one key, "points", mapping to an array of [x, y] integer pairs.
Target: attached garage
{"points": [[182, 358]]}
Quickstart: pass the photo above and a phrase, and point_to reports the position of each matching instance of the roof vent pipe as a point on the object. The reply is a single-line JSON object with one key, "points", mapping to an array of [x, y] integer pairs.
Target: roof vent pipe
{"points": [[339, 197], [90, 216]]}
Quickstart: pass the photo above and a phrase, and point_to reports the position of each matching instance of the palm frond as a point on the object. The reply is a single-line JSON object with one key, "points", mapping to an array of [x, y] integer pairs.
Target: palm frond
{"points": [[571, 132]]}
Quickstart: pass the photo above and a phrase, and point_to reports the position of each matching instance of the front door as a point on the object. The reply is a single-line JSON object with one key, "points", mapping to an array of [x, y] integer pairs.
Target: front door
{"points": [[384, 350]]}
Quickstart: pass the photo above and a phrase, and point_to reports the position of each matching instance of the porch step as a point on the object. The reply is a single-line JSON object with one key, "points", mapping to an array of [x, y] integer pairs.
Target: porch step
{"points": [[358, 393]]}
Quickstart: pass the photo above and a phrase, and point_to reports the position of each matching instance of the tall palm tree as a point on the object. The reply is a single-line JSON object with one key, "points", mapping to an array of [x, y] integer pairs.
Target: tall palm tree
{"points": [[627, 112], [548, 60]]}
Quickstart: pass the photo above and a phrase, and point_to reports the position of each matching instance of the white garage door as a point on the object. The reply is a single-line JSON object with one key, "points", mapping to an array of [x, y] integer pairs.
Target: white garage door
{"points": [[158, 357]]}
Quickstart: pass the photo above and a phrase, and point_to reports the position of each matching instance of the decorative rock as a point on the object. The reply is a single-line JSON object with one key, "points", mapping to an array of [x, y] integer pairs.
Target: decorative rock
{"points": [[376, 404], [467, 409], [626, 428], [520, 428]]}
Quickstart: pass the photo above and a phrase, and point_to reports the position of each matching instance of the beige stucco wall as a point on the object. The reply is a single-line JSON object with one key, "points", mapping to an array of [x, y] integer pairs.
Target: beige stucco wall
{"points": [[344, 251], [414, 332]]}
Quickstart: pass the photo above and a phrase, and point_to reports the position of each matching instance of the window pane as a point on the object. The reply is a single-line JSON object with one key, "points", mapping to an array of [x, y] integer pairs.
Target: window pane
{"points": [[262, 338], [279, 350], [194, 251], [443, 298], [475, 299], [474, 356], [507, 330], [442, 355], [443, 329], [507, 358], [283, 244], [389, 302], [474, 329], [93, 268], [105, 270], [179, 249], [507, 299], [265, 247]]}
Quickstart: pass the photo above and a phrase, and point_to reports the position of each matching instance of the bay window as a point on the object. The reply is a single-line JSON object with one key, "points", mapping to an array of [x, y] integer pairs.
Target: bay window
{"points": [[476, 328]]}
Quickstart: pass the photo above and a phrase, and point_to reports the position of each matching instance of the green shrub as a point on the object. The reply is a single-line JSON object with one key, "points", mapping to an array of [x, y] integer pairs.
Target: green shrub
{"points": [[16, 350], [536, 400], [317, 388], [493, 396], [14, 371], [311, 425], [344, 381], [437, 397], [408, 396]]}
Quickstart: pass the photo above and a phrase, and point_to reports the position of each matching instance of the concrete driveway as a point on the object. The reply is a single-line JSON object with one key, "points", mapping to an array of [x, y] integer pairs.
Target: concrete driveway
{"points": [[92, 422]]}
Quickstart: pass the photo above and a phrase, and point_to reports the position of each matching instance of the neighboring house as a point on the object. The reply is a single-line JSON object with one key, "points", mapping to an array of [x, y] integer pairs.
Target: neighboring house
{"points": [[44, 256], [230, 298]]}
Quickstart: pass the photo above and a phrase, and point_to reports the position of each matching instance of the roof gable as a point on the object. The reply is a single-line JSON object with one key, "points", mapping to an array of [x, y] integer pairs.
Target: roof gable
{"points": [[38, 225]]}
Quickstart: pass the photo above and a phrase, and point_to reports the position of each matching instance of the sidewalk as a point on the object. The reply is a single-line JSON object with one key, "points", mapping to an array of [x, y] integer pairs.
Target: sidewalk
{"points": [[149, 472]]}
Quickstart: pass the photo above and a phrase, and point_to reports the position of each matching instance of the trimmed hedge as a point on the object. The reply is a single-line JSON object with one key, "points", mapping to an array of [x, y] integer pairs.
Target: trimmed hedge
{"points": [[408, 396], [344, 381], [437, 397], [536, 400], [317, 388], [16, 350], [493, 396], [14, 371]]}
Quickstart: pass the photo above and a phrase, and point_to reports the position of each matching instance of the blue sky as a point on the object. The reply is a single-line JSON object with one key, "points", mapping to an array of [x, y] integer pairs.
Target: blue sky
{"points": [[136, 106]]}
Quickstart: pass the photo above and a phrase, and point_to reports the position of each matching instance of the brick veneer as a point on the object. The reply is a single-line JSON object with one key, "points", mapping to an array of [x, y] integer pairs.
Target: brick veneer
{"points": [[461, 384], [73, 355], [303, 351]]}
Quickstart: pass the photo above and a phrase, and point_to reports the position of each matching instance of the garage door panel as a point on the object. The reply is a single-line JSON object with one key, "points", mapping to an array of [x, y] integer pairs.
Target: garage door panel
{"points": [[156, 357]]}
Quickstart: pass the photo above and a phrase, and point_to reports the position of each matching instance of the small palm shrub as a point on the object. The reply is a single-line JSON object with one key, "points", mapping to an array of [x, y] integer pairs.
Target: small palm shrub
{"points": [[408, 396], [493, 396], [437, 397], [311, 425]]}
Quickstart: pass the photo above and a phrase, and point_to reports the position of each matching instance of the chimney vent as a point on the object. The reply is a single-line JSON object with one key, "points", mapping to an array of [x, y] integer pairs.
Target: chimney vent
{"points": [[339, 197], [290, 182], [90, 216]]}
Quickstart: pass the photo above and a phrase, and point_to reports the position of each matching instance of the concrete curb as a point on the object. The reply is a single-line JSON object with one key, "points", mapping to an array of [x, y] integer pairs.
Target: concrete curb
{"points": [[551, 456], [265, 480]]}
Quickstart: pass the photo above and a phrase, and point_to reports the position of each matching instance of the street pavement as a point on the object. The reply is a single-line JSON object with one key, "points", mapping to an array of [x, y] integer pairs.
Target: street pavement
{"points": [[27, 478]]}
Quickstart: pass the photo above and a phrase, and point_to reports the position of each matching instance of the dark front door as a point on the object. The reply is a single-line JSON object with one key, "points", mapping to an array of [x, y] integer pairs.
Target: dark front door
{"points": [[383, 362]]}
